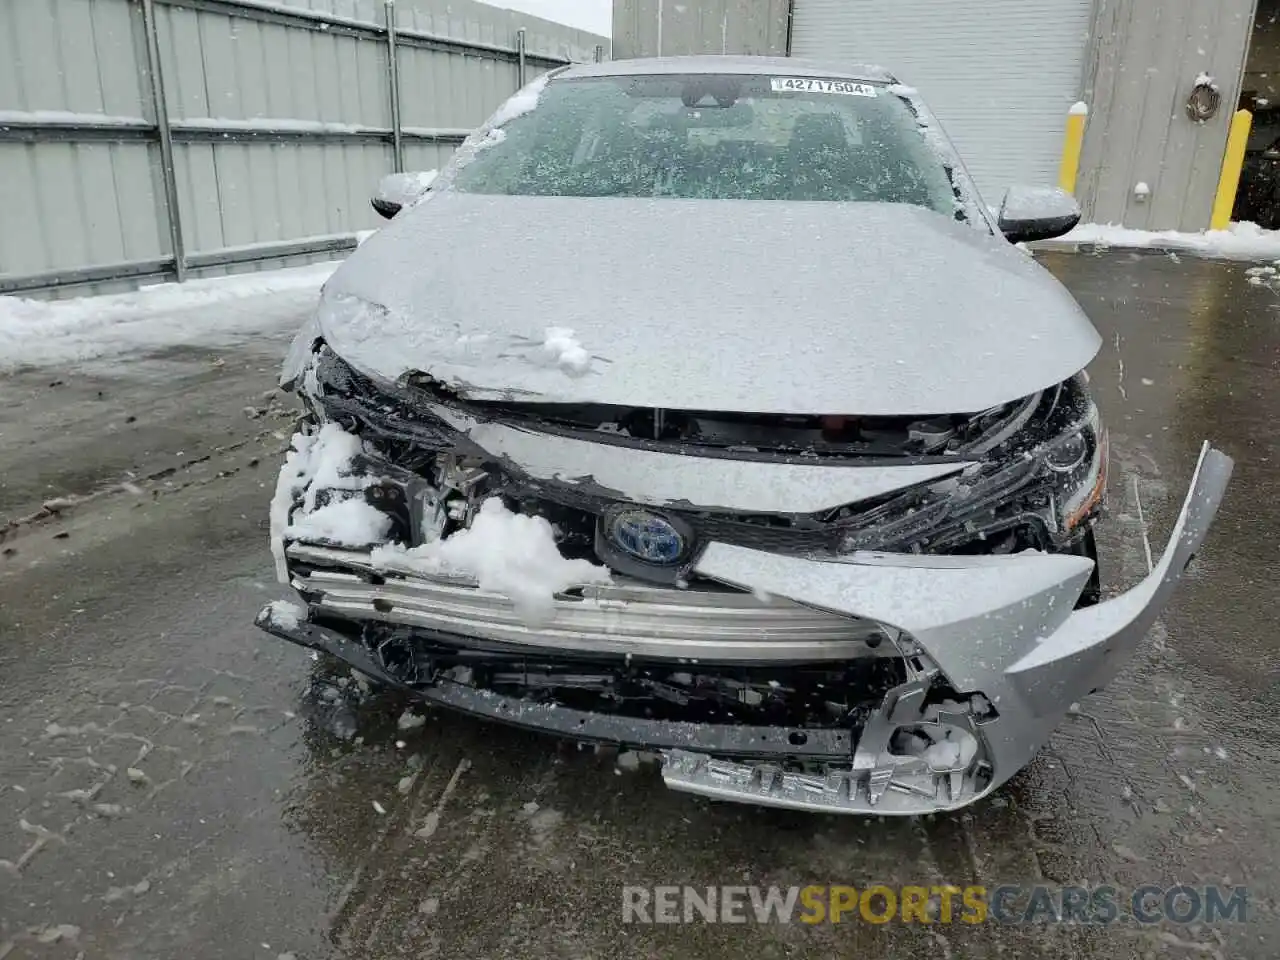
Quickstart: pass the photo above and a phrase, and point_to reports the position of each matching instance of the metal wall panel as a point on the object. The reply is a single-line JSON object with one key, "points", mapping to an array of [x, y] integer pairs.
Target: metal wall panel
{"points": [[446, 90], [1005, 113], [281, 121], [1148, 54], [70, 55], [426, 156], [72, 204], [656, 28]]}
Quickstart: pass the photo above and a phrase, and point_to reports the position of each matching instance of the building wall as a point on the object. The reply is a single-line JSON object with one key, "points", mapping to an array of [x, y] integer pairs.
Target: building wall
{"points": [[1144, 60], [658, 28], [281, 120]]}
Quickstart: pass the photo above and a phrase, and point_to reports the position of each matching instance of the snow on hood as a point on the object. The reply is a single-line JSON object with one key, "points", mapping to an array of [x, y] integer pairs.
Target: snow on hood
{"points": [[753, 306]]}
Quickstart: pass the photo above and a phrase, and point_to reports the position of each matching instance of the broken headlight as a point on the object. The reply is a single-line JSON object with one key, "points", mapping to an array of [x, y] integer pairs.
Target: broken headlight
{"points": [[1077, 464], [1056, 467], [1044, 480]]}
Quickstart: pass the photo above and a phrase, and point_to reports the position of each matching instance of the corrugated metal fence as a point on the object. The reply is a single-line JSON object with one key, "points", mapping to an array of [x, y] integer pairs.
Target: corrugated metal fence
{"points": [[156, 139]]}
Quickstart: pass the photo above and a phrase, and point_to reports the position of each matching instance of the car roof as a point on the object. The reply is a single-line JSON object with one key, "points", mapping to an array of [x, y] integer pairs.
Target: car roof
{"points": [[753, 66]]}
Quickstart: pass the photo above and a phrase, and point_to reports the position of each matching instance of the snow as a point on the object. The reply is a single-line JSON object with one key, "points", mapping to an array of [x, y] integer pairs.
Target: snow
{"points": [[285, 613], [493, 137], [943, 748], [44, 332], [267, 124], [314, 462], [1031, 203], [1079, 109], [421, 179], [524, 100], [65, 117], [942, 755], [350, 523], [460, 132], [955, 751], [562, 348], [1206, 80], [506, 553], [406, 189], [409, 721], [1240, 241]]}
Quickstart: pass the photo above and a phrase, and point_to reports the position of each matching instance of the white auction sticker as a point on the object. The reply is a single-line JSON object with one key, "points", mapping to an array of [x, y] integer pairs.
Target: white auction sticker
{"points": [[802, 85]]}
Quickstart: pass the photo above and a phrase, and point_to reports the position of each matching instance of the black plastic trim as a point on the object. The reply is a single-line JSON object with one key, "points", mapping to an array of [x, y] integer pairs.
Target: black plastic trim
{"points": [[720, 739]]}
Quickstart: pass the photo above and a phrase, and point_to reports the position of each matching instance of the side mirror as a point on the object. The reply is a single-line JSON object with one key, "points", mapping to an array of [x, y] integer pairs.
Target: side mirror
{"points": [[1037, 213], [399, 190]]}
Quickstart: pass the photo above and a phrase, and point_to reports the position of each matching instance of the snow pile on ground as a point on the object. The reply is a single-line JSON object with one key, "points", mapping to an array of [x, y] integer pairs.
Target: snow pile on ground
{"points": [[1242, 241], [315, 462], [507, 553], [562, 348], [1264, 276], [40, 332]]}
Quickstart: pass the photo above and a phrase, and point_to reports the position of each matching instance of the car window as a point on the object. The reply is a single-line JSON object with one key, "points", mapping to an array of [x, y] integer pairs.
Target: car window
{"points": [[728, 137]]}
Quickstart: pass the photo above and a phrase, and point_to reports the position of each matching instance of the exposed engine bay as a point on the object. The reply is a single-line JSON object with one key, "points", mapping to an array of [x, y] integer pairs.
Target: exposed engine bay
{"points": [[1034, 474]]}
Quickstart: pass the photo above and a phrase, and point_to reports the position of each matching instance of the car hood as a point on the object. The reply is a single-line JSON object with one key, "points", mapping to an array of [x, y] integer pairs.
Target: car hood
{"points": [[751, 306]]}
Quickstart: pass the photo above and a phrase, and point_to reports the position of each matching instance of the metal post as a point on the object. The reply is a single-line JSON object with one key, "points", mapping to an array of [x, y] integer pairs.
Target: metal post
{"points": [[160, 108], [393, 86], [520, 64], [599, 53]]}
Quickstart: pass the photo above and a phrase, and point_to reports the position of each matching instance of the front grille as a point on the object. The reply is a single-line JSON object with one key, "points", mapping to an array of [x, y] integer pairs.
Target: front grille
{"points": [[575, 511]]}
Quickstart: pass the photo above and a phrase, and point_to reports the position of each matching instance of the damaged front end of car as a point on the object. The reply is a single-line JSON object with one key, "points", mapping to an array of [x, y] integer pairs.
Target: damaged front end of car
{"points": [[826, 612]]}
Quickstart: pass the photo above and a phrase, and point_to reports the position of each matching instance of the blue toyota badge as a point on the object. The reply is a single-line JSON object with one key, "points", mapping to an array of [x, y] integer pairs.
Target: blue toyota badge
{"points": [[646, 536]]}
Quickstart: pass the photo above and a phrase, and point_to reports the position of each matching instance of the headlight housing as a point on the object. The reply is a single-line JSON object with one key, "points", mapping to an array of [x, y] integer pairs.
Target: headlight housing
{"points": [[1049, 475]]}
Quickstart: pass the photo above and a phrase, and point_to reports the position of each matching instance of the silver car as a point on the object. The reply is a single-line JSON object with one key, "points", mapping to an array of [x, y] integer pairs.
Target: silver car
{"points": [[701, 406]]}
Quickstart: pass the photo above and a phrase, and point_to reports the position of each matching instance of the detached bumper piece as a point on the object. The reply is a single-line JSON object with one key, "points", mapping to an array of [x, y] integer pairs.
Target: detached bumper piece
{"points": [[870, 683]]}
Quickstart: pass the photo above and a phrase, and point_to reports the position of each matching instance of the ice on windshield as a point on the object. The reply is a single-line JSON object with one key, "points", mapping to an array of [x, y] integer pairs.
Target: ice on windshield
{"points": [[726, 137]]}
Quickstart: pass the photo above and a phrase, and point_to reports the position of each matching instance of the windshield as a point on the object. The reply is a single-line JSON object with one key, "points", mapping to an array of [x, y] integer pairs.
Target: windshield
{"points": [[710, 136]]}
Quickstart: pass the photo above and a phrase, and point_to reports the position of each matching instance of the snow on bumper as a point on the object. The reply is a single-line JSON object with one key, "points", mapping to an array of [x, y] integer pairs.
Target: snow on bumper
{"points": [[1000, 631]]}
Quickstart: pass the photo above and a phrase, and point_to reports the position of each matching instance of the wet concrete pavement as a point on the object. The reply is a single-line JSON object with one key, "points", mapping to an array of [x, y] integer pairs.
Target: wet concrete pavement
{"points": [[174, 783]]}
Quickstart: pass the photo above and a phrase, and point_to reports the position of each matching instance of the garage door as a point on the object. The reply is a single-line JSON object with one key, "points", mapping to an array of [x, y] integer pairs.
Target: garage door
{"points": [[999, 74]]}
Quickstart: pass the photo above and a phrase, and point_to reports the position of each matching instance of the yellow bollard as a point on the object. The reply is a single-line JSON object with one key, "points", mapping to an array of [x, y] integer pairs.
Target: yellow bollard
{"points": [[1072, 144], [1232, 164]]}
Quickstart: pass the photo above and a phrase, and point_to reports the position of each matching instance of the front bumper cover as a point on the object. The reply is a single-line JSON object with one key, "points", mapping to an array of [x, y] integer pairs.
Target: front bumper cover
{"points": [[1002, 629]]}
